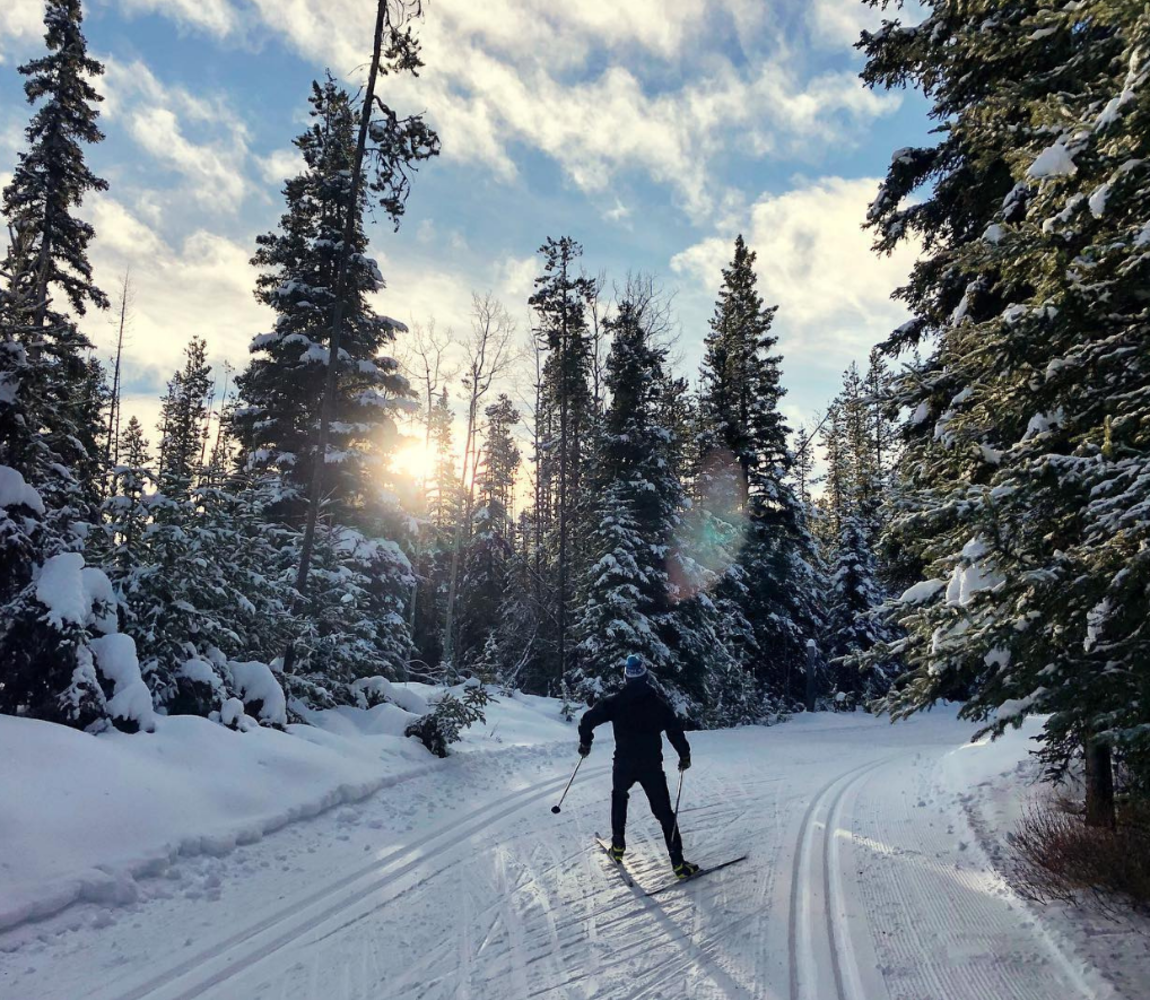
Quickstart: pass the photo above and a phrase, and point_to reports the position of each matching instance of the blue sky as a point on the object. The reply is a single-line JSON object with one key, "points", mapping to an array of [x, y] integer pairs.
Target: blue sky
{"points": [[652, 132]]}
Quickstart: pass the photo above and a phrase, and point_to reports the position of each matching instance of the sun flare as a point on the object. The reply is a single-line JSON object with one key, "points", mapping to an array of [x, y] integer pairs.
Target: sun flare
{"points": [[413, 458]]}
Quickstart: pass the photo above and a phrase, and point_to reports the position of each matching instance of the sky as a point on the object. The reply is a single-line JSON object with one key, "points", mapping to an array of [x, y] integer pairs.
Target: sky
{"points": [[653, 132]]}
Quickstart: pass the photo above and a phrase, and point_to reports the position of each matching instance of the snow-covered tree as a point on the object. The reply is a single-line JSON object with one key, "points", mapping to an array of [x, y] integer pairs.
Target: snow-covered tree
{"points": [[1026, 467], [282, 387], [744, 485], [486, 577], [62, 657], [360, 526]]}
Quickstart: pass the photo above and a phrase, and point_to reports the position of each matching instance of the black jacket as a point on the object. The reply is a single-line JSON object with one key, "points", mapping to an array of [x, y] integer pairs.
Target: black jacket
{"points": [[639, 714]]}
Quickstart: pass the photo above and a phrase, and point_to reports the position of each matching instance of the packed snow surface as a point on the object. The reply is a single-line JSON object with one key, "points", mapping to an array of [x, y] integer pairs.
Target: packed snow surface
{"points": [[868, 874]]}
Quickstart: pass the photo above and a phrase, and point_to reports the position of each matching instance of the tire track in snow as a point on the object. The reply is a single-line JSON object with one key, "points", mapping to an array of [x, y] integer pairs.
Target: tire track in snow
{"points": [[803, 925], [451, 835]]}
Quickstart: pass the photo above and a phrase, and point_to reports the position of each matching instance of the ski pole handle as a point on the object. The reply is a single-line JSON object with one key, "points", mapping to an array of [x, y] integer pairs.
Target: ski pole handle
{"points": [[555, 808]]}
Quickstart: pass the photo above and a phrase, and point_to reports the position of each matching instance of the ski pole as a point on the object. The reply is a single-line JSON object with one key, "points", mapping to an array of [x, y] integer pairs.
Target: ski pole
{"points": [[678, 795], [555, 808]]}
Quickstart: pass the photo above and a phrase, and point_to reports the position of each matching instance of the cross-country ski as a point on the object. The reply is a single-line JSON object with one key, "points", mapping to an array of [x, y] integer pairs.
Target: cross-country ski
{"points": [[433, 432]]}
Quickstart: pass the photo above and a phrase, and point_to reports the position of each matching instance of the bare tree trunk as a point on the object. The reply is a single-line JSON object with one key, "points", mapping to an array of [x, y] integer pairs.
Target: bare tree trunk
{"points": [[1099, 785], [488, 358], [382, 19], [112, 451], [563, 496]]}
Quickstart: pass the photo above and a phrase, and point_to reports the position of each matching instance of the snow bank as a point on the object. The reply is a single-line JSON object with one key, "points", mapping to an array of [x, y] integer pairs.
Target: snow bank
{"points": [[86, 816]]}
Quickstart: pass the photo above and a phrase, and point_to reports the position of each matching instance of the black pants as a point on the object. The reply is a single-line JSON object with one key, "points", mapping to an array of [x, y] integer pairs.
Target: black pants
{"points": [[650, 775]]}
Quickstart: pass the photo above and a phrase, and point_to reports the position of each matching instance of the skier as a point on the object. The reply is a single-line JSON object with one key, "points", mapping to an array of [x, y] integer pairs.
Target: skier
{"points": [[640, 714]]}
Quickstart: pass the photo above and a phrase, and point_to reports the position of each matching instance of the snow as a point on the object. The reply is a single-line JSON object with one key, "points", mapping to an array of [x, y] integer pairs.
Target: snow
{"points": [[870, 864], [131, 700], [922, 591], [1043, 423], [972, 575], [256, 682], [1143, 238], [1097, 200], [994, 233], [60, 588], [1054, 161], [88, 816], [14, 491]]}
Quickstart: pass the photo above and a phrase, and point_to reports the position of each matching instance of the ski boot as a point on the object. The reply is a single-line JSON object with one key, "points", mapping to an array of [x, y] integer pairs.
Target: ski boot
{"points": [[685, 869], [617, 851]]}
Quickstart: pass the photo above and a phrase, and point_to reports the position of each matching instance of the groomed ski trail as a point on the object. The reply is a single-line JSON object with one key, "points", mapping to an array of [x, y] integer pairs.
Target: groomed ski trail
{"points": [[863, 883]]}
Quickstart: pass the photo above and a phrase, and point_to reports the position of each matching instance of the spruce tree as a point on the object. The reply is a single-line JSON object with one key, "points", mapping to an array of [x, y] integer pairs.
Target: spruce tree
{"points": [[745, 461], [282, 394], [282, 387], [482, 644], [565, 420], [1026, 461], [63, 658]]}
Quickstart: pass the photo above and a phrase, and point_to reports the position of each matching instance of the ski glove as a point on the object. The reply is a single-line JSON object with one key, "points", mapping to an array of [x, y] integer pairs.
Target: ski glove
{"points": [[584, 749], [684, 763]]}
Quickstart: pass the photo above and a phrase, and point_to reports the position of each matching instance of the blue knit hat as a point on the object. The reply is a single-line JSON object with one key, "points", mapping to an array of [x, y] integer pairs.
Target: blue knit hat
{"points": [[634, 667]]}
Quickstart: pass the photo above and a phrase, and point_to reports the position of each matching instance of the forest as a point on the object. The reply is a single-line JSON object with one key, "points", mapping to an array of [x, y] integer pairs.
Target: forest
{"points": [[967, 520]]}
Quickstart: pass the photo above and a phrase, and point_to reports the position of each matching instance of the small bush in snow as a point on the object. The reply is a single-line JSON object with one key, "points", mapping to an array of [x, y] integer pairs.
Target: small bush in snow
{"points": [[445, 723], [1062, 858]]}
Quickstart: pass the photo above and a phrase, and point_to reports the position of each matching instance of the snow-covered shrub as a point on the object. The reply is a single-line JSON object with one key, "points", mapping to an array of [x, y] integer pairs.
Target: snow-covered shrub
{"points": [[445, 723]]}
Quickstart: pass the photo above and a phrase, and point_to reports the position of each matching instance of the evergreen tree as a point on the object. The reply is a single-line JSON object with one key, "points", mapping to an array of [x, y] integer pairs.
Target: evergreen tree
{"points": [[482, 644], [626, 592], [62, 657], [282, 392], [51, 177], [1026, 461], [184, 413], [565, 419], [746, 460], [444, 504], [282, 387]]}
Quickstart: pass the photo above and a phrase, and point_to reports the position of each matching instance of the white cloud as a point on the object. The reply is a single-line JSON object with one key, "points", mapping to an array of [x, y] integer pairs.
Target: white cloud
{"points": [[21, 21], [279, 165], [837, 23], [515, 71], [217, 17], [203, 287], [617, 212], [161, 117], [815, 261]]}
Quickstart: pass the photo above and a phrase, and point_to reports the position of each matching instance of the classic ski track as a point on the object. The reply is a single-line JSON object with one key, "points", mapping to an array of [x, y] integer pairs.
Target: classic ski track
{"points": [[451, 834], [801, 928]]}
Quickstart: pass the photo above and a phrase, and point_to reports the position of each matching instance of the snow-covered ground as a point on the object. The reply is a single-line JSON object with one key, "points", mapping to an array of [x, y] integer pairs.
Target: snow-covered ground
{"points": [[868, 877]]}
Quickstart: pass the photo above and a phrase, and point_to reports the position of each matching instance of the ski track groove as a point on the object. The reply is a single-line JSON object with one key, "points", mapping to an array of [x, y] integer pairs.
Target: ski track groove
{"points": [[454, 833], [801, 928]]}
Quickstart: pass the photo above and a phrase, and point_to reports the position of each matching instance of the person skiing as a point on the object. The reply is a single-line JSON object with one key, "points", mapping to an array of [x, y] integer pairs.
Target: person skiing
{"points": [[639, 715]]}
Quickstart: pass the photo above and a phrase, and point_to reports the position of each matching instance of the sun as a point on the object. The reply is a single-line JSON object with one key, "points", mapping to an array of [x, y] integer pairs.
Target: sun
{"points": [[413, 458]]}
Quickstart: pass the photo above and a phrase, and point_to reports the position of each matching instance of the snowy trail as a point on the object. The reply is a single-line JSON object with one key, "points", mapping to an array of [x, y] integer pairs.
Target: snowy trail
{"points": [[863, 883]]}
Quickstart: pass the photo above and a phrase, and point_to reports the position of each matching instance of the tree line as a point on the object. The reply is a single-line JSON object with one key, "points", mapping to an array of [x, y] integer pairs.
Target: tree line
{"points": [[967, 520]]}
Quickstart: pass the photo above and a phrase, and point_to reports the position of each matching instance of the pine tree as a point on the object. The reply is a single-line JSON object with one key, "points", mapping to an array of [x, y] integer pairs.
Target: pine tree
{"points": [[1025, 473], [184, 413], [626, 591], [482, 644], [444, 504], [63, 658], [746, 462], [565, 419], [283, 385], [282, 392]]}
